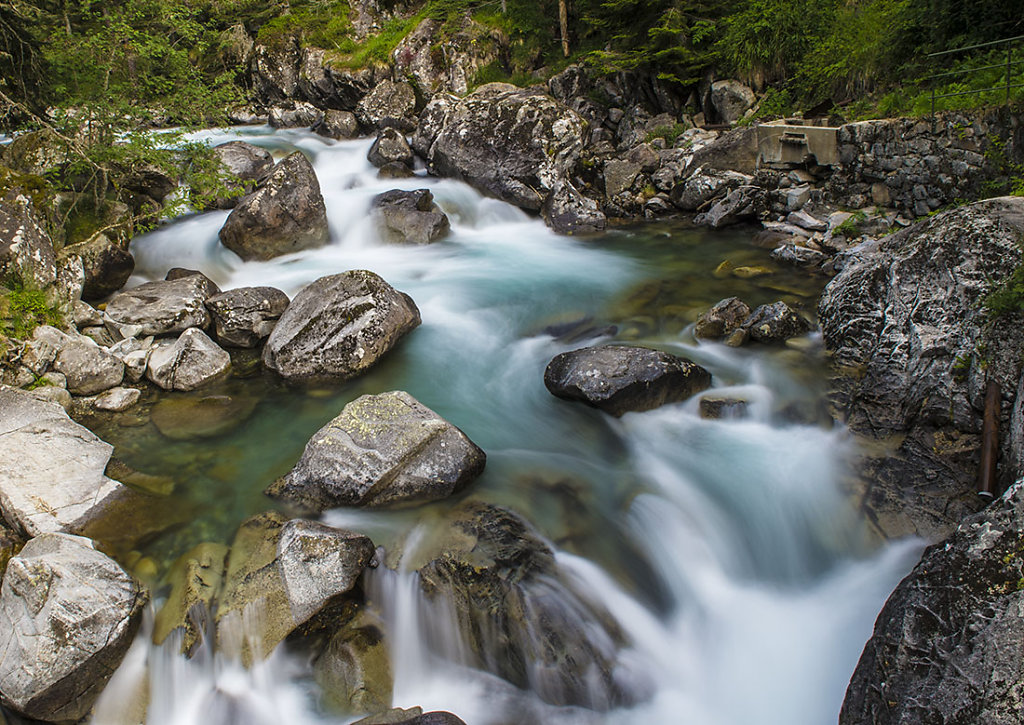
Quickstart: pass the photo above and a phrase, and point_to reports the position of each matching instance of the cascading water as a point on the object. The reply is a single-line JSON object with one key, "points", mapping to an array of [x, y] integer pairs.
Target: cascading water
{"points": [[723, 550]]}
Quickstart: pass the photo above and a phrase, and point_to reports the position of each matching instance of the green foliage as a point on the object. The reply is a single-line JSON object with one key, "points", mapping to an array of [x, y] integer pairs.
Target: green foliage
{"points": [[1007, 297], [851, 226], [1008, 175], [324, 25], [23, 308], [669, 133]]}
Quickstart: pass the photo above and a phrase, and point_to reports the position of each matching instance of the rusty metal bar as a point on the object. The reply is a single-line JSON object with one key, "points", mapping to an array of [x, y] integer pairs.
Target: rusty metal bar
{"points": [[988, 486]]}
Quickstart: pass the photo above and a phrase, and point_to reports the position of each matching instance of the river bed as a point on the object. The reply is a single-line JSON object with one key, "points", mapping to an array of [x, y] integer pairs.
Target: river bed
{"points": [[725, 549]]}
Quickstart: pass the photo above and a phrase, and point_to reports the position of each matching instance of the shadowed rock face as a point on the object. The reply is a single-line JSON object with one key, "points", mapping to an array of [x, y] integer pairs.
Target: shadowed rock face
{"points": [[519, 617], [946, 647], [913, 346], [518, 145], [619, 379], [339, 326], [383, 450], [67, 616], [287, 214]]}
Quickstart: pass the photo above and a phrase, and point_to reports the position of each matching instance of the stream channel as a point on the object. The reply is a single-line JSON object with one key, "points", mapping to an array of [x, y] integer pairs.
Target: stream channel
{"points": [[724, 549]]}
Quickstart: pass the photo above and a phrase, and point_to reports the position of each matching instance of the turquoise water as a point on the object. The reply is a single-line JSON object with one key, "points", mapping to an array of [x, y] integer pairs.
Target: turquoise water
{"points": [[747, 579]]}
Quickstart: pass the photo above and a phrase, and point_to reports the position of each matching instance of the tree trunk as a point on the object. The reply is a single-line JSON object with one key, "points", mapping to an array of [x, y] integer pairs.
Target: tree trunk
{"points": [[563, 22]]}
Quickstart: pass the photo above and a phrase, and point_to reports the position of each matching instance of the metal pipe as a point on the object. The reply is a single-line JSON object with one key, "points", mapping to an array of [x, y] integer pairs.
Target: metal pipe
{"points": [[973, 47], [988, 486]]}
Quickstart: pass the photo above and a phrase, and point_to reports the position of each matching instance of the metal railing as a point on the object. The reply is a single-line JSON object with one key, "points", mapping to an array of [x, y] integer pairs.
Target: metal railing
{"points": [[1008, 65]]}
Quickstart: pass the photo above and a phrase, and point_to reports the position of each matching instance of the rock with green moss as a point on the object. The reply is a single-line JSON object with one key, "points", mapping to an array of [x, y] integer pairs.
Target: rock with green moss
{"points": [[280, 574], [338, 327], [382, 451], [195, 579], [354, 669]]}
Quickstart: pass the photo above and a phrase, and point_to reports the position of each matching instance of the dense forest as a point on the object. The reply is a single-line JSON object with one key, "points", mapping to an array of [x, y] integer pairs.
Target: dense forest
{"points": [[180, 56]]}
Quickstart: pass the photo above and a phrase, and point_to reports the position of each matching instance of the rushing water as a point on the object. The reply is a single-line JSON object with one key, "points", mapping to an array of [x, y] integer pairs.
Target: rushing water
{"points": [[724, 549]]}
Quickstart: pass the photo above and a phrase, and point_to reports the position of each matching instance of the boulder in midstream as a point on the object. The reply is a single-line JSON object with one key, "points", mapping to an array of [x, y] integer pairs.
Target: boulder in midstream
{"points": [[383, 450], [618, 379], [409, 217], [245, 316], [339, 326]]}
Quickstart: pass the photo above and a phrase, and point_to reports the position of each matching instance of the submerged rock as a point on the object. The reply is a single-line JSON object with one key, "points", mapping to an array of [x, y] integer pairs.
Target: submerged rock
{"points": [[188, 417], [283, 573], [409, 216], [521, 619], [67, 616], [619, 379], [383, 450], [165, 307], [287, 214], [946, 646], [245, 316], [339, 326]]}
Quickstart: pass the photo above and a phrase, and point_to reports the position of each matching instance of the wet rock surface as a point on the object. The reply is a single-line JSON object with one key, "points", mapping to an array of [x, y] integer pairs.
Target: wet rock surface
{"points": [[409, 217], [190, 362], [287, 214], [68, 614], [946, 647], [523, 621], [285, 572], [912, 346], [383, 450], [339, 326], [619, 379]]}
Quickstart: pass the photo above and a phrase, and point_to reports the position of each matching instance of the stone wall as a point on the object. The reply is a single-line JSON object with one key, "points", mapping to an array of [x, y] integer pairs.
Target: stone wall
{"points": [[918, 165]]}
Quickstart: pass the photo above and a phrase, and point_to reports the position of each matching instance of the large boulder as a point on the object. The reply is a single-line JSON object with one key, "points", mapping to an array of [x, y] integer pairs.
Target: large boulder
{"points": [[68, 614], [275, 72], [435, 59], [106, 262], [165, 307], [247, 165], [618, 379], [332, 86], [946, 646], [389, 104], [522, 618], [516, 144], [191, 361], [26, 251], [703, 185], [245, 316], [339, 326], [287, 214], [409, 217], [295, 115], [731, 99], [284, 573], [722, 319], [383, 450], [906, 325], [54, 469]]}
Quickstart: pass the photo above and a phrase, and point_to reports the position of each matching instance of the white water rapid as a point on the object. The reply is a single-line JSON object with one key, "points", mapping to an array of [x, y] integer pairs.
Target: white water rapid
{"points": [[723, 549]]}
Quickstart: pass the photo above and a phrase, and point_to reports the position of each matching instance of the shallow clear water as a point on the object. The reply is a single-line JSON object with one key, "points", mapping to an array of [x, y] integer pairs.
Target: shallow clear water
{"points": [[725, 549]]}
